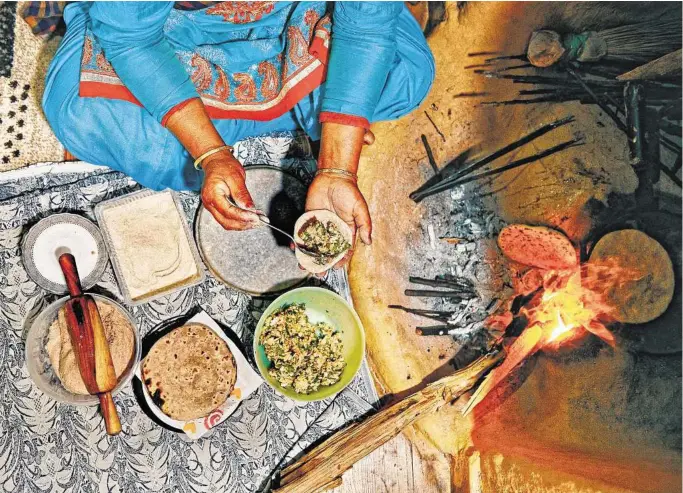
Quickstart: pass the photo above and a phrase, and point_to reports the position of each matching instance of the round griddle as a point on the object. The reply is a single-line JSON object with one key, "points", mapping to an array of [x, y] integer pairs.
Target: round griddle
{"points": [[258, 261], [59, 233]]}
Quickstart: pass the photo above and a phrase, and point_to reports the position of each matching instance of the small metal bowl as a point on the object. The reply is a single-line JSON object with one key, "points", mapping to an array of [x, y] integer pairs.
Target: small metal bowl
{"points": [[38, 361]]}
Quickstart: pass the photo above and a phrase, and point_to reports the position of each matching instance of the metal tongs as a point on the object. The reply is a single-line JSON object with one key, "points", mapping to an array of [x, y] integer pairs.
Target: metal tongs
{"points": [[264, 219]]}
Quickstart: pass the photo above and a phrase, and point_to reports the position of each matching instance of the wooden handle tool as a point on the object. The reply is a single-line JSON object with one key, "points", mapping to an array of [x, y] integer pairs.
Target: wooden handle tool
{"points": [[90, 344]]}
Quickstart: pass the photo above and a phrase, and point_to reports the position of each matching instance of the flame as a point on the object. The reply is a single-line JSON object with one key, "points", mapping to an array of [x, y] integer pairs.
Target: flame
{"points": [[573, 303], [560, 329]]}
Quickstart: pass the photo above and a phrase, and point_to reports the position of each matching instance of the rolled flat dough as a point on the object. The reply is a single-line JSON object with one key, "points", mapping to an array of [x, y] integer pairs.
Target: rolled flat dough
{"points": [[150, 244]]}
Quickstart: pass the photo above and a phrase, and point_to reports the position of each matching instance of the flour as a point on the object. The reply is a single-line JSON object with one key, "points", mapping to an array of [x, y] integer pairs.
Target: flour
{"points": [[149, 241]]}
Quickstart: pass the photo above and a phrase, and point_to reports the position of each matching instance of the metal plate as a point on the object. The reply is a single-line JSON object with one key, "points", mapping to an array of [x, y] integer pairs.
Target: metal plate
{"points": [[257, 261], [70, 232]]}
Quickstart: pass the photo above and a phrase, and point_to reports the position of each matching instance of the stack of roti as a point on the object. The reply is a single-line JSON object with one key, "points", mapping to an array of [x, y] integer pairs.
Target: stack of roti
{"points": [[189, 372], [120, 337]]}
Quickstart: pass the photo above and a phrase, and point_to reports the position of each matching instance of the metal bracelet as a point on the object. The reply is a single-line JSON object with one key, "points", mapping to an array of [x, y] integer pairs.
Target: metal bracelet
{"points": [[338, 172], [198, 161]]}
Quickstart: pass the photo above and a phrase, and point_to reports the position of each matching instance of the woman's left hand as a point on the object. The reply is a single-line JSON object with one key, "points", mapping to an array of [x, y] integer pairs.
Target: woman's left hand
{"points": [[342, 196], [340, 148]]}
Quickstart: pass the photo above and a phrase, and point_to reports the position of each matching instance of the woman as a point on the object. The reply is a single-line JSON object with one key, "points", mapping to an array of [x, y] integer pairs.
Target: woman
{"points": [[160, 90]]}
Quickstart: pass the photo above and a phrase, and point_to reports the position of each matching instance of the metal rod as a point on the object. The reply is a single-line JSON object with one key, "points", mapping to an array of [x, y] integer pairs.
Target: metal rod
{"points": [[445, 184], [521, 162], [430, 155], [597, 100]]}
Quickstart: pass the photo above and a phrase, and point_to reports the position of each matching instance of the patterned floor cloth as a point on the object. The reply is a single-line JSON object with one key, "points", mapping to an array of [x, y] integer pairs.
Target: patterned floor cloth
{"points": [[46, 446], [25, 136]]}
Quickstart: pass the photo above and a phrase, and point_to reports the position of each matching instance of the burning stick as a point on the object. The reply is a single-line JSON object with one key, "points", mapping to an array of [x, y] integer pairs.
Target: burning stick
{"points": [[441, 316], [526, 345], [455, 282], [426, 293], [445, 172], [323, 466], [451, 330], [502, 169]]}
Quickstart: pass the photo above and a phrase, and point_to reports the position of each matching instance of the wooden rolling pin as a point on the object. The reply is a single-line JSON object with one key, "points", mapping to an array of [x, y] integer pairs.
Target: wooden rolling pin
{"points": [[90, 344]]}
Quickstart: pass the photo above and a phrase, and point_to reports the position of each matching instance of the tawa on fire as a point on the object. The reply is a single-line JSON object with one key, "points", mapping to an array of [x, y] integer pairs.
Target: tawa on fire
{"points": [[345, 246]]}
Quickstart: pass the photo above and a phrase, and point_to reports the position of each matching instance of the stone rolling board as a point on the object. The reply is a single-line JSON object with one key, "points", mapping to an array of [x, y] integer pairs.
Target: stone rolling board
{"points": [[258, 261]]}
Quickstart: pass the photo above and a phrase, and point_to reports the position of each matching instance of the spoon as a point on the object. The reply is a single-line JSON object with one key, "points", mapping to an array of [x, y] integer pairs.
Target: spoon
{"points": [[264, 219]]}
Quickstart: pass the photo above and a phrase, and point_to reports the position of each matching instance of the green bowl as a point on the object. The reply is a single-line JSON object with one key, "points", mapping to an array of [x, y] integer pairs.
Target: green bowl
{"points": [[322, 305]]}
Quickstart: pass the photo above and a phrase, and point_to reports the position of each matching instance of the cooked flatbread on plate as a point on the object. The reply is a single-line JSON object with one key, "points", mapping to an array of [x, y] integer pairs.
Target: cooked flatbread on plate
{"points": [[189, 372]]}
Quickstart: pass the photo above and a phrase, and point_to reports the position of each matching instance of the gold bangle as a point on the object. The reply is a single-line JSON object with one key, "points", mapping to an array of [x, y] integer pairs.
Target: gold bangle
{"points": [[338, 172], [198, 161]]}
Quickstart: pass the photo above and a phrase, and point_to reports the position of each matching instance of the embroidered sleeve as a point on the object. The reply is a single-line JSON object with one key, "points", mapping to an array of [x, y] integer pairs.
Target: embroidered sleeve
{"points": [[362, 51], [131, 34]]}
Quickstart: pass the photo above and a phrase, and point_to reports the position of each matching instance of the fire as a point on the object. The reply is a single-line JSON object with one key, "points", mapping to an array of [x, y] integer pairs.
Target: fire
{"points": [[560, 307], [560, 329], [572, 304]]}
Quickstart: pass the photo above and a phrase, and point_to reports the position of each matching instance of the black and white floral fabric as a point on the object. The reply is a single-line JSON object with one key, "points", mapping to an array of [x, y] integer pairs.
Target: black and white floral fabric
{"points": [[50, 447]]}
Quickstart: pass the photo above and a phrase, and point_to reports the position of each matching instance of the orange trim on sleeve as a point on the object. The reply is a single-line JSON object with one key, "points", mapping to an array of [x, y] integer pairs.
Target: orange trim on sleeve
{"points": [[173, 110], [354, 121]]}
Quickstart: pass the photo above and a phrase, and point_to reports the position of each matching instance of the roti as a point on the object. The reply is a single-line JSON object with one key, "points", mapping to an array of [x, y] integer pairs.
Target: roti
{"points": [[189, 372], [324, 216], [537, 246], [643, 299]]}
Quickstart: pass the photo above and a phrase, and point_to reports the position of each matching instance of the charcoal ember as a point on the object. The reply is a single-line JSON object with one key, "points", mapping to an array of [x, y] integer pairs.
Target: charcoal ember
{"points": [[531, 280], [528, 301], [518, 324]]}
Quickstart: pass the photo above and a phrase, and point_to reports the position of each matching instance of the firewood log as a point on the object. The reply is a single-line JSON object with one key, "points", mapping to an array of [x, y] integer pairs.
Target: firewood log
{"points": [[323, 466]]}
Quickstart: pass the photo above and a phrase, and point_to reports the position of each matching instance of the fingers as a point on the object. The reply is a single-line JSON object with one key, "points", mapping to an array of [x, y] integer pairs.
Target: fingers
{"points": [[215, 198], [345, 260], [361, 216], [369, 138], [240, 194], [228, 223]]}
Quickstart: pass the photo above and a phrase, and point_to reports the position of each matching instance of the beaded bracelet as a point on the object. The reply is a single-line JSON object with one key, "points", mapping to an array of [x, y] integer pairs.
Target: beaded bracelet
{"points": [[198, 161]]}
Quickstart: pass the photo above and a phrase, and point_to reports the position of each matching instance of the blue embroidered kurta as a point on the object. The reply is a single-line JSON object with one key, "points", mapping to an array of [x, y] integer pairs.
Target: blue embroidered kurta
{"points": [[257, 66]]}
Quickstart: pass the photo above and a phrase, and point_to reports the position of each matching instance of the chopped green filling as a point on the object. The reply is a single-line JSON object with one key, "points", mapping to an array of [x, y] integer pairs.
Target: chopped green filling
{"points": [[304, 356], [325, 239]]}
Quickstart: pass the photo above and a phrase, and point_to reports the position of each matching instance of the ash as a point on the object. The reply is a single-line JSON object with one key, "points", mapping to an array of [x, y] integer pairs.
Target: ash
{"points": [[458, 238]]}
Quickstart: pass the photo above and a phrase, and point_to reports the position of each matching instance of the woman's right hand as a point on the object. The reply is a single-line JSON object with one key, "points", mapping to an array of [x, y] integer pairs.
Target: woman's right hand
{"points": [[224, 177]]}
